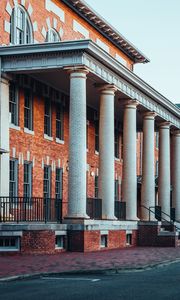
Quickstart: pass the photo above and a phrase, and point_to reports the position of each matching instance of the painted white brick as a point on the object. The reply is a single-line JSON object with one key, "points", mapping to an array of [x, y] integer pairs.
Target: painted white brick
{"points": [[48, 22], [47, 160], [7, 26], [102, 45], [30, 9], [121, 60], [9, 8], [55, 23], [35, 26], [23, 2], [28, 156], [34, 160], [59, 163], [61, 32], [44, 32], [42, 163], [81, 29], [13, 152], [50, 6]]}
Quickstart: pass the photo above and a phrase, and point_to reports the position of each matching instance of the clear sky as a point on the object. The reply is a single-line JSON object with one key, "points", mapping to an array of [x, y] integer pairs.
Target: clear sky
{"points": [[153, 26]]}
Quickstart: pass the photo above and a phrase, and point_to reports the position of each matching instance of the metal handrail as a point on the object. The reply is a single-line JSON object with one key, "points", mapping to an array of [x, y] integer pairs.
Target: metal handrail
{"points": [[151, 211]]}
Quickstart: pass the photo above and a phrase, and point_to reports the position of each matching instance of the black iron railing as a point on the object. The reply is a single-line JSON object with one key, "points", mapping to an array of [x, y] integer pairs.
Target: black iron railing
{"points": [[30, 209], [94, 208], [120, 210]]}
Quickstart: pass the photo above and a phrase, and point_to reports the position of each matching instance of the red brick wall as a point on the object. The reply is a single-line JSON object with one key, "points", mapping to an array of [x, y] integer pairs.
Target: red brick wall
{"points": [[38, 242], [40, 14]]}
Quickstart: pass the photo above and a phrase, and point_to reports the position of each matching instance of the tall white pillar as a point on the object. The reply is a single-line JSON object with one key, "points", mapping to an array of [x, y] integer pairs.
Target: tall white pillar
{"points": [[106, 151], [4, 137], [148, 170], [77, 145], [164, 168], [129, 160], [176, 173]]}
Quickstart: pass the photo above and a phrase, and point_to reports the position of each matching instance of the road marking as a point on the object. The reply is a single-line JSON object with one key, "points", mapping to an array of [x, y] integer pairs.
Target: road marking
{"points": [[71, 279]]}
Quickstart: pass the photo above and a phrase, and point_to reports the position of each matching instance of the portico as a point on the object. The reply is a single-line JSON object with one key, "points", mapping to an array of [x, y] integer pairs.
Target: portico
{"points": [[92, 77]]}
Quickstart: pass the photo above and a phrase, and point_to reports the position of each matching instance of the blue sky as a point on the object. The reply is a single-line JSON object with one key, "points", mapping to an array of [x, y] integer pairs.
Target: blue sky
{"points": [[153, 26]]}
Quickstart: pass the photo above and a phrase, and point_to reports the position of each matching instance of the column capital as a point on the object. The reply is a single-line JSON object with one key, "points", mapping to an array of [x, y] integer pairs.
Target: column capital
{"points": [[77, 72], [165, 125], [106, 89], [131, 104], [150, 115], [176, 132]]}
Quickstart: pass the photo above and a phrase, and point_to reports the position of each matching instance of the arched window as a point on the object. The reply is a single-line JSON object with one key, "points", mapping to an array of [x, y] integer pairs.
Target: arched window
{"points": [[21, 28], [52, 36]]}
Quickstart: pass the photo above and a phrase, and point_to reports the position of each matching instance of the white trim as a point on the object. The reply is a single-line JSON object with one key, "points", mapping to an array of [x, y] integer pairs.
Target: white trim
{"points": [[7, 26], [30, 9], [43, 31], [12, 126], [9, 8], [121, 60], [35, 26], [26, 130], [102, 45], [58, 232], [58, 141], [52, 7], [55, 23], [48, 22], [47, 137], [77, 27]]}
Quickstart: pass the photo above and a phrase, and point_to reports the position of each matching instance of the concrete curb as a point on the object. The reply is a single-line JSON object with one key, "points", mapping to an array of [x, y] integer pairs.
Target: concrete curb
{"points": [[111, 271]]}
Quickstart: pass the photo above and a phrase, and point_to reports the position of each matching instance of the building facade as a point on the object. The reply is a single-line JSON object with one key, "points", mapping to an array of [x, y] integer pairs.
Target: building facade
{"points": [[89, 151]]}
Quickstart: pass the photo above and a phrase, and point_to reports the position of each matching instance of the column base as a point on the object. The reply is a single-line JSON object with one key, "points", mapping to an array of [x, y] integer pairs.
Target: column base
{"points": [[77, 216], [109, 218], [132, 219]]}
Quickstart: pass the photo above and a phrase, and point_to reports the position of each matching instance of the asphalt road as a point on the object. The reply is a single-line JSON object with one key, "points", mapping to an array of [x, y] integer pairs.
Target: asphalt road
{"points": [[161, 283]]}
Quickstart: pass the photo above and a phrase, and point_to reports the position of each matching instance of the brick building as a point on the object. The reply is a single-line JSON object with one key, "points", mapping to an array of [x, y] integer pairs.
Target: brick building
{"points": [[85, 143]]}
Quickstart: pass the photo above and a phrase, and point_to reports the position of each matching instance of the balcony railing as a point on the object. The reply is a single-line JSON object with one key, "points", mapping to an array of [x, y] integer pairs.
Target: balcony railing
{"points": [[120, 210], [94, 208], [26, 209]]}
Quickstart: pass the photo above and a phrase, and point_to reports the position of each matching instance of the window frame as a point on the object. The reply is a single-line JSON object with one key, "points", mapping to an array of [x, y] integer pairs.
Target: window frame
{"points": [[30, 177], [47, 126], [60, 120], [116, 143], [59, 184], [48, 180], [14, 104], [28, 110], [52, 33], [15, 181], [15, 27]]}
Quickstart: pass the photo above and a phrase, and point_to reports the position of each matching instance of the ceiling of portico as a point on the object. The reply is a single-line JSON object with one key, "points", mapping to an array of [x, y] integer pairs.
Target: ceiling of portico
{"points": [[59, 80]]}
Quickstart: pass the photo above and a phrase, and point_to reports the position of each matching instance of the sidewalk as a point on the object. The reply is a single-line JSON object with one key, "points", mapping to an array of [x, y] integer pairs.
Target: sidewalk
{"points": [[132, 258]]}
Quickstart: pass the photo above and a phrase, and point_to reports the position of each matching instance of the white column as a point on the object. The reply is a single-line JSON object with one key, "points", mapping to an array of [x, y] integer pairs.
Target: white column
{"points": [[129, 160], [4, 137], [77, 145], [176, 173], [106, 151], [148, 170], [164, 168]]}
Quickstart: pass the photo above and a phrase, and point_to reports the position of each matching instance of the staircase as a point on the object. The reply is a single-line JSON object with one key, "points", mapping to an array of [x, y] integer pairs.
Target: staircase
{"points": [[163, 232]]}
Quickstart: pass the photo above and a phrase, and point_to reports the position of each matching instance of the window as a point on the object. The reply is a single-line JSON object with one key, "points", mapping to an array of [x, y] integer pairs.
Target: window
{"points": [[103, 241], [47, 181], [116, 143], [13, 178], [28, 110], [52, 36], [47, 117], [122, 146], [27, 179], [59, 122], [21, 27], [116, 190], [59, 183], [157, 139], [96, 188], [129, 239], [96, 135], [8, 243], [157, 167], [13, 104], [60, 242]]}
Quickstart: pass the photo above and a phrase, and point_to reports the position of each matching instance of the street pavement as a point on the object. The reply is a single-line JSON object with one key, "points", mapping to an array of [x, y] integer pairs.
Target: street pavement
{"points": [[157, 283], [95, 262]]}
